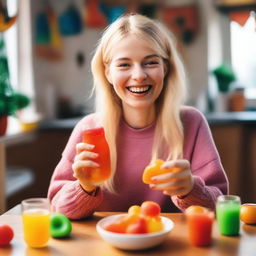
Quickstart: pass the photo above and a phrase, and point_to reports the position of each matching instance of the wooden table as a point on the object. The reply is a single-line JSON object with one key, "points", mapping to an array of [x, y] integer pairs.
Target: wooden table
{"points": [[86, 241]]}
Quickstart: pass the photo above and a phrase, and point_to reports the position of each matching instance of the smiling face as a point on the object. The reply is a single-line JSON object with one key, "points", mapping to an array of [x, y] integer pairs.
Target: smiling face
{"points": [[136, 73]]}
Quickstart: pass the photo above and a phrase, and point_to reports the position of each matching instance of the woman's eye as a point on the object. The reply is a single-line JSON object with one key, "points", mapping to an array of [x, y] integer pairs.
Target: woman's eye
{"points": [[123, 65], [151, 62]]}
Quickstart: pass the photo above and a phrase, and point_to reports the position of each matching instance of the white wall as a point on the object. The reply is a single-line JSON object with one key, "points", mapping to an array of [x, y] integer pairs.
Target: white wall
{"points": [[64, 78], [54, 79]]}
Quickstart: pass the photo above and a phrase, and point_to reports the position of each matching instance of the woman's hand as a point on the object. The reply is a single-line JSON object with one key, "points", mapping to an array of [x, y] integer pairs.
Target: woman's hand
{"points": [[177, 182], [84, 158]]}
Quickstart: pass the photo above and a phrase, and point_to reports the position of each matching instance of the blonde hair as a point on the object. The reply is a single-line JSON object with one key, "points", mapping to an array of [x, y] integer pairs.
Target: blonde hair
{"points": [[169, 129]]}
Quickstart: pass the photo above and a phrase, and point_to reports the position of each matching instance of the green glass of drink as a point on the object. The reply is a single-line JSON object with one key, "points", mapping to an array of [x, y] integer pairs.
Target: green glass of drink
{"points": [[228, 214]]}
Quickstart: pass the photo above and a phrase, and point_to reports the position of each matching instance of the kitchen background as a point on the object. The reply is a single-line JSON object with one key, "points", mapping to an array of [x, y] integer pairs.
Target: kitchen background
{"points": [[49, 48]]}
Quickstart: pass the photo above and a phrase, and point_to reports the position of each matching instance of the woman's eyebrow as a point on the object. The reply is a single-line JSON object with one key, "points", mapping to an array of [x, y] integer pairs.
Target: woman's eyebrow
{"points": [[152, 56], [122, 58], [146, 57]]}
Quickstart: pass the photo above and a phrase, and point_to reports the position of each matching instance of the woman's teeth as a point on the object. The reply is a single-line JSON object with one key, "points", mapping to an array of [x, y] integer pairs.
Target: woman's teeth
{"points": [[139, 89]]}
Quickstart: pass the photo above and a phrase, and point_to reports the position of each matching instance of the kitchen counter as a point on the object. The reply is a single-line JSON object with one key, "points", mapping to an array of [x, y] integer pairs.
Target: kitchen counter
{"points": [[215, 118], [212, 118], [59, 124]]}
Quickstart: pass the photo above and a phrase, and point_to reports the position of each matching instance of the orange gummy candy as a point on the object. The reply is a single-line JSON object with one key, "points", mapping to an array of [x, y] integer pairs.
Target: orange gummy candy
{"points": [[154, 169], [120, 224], [139, 220], [155, 224]]}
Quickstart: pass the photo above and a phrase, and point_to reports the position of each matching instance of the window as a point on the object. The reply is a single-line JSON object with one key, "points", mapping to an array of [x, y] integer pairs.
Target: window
{"points": [[18, 42], [243, 51], [10, 38], [18, 47]]}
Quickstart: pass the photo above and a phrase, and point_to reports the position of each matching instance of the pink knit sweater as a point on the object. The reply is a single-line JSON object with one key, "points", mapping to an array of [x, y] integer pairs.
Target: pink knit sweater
{"points": [[134, 148]]}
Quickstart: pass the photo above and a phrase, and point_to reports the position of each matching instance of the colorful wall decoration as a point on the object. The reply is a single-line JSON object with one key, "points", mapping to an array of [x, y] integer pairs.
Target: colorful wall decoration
{"points": [[182, 21]]}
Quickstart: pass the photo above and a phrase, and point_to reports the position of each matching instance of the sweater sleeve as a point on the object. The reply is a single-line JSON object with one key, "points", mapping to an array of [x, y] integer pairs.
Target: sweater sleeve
{"points": [[209, 176], [65, 193]]}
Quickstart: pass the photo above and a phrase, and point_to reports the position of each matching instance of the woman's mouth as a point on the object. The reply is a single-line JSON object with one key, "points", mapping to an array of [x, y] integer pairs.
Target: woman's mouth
{"points": [[139, 89]]}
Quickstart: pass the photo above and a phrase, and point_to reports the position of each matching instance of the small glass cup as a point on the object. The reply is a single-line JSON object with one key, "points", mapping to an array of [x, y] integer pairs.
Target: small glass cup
{"points": [[36, 221], [200, 227], [228, 214]]}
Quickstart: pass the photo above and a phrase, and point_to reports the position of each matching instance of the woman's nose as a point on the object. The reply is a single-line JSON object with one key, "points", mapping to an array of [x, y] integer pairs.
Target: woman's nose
{"points": [[138, 73]]}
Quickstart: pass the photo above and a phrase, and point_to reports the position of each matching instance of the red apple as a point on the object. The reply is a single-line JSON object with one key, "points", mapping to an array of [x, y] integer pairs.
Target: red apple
{"points": [[6, 235]]}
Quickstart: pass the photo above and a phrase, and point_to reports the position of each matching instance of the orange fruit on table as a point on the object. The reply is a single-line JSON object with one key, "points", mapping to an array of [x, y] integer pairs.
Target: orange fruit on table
{"points": [[194, 209], [248, 213]]}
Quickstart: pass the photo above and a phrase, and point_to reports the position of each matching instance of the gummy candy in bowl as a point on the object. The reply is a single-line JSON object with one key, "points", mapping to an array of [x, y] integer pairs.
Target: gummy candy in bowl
{"points": [[133, 241]]}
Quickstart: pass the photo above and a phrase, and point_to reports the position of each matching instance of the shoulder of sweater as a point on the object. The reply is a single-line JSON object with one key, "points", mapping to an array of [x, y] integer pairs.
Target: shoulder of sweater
{"points": [[189, 113], [91, 121]]}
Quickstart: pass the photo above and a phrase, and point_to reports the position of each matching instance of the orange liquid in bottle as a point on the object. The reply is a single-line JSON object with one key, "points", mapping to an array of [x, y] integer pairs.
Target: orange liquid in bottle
{"points": [[97, 138]]}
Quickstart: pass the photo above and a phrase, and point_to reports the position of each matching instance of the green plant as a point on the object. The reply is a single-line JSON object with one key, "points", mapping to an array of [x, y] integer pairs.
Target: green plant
{"points": [[10, 101], [224, 76]]}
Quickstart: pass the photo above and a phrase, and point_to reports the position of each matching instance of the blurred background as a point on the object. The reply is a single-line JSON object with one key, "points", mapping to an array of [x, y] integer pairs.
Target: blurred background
{"points": [[45, 53]]}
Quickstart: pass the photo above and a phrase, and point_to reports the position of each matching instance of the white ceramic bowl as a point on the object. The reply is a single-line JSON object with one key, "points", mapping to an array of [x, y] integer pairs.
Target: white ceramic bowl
{"points": [[133, 241]]}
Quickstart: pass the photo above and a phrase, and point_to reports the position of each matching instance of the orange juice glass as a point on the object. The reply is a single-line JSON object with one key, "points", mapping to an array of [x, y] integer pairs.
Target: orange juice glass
{"points": [[200, 227], [97, 138], [36, 221]]}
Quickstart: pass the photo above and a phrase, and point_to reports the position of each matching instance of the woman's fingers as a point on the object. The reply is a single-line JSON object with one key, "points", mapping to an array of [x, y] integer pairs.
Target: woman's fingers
{"points": [[82, 164], [171, 175], [182, 191], [81, 171], [180, 188], [178, 181], [83, 147], [84, 155], [180, 163], [172, 185]]}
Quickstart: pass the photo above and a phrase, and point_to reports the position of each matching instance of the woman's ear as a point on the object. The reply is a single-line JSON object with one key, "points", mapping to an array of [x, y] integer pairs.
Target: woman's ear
{"points": [[107, 73], [166, 67]]}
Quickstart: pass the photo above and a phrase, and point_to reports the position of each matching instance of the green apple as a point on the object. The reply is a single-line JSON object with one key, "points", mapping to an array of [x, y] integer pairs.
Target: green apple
{"points": [[60, 225]]}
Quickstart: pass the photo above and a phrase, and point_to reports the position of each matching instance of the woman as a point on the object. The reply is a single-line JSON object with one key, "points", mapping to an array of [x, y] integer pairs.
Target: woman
{"points": [[140, 89]]}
